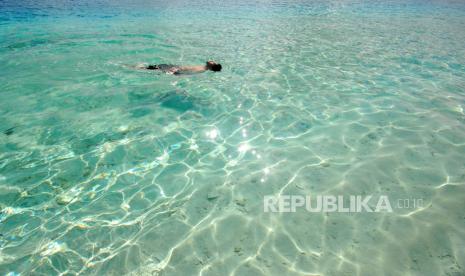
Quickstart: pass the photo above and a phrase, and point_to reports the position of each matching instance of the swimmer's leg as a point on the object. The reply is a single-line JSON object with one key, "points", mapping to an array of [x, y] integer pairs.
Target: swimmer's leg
{"points": [[137, 66], [145, 66]]}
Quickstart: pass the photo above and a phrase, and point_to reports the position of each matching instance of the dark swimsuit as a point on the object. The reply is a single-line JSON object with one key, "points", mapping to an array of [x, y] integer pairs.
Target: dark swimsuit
{"points": [[162, 67]]}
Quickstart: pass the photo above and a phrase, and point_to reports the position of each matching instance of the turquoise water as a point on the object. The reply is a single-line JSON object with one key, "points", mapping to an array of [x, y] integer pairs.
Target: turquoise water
{"points": [[106, 170]]}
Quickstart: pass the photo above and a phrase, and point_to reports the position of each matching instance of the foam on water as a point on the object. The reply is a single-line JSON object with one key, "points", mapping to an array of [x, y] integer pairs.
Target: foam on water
{"points": [[109, 170]]}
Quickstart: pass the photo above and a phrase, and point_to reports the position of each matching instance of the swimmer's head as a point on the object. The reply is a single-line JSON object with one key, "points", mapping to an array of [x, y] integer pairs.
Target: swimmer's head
{"points": [[213, 66]]}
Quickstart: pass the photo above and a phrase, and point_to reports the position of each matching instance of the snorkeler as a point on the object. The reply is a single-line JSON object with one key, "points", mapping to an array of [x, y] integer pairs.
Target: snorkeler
{"points": [[178, 70]]}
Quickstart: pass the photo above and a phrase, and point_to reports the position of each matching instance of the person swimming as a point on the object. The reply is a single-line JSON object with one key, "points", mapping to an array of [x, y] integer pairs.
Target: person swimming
{"points": [[178, 70]]}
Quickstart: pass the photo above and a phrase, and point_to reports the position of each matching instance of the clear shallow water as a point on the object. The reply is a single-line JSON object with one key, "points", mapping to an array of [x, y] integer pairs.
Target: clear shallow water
{"points": [[107, 170]]}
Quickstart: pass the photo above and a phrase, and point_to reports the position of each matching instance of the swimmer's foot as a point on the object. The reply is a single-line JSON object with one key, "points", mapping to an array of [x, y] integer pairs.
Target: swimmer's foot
{"points": [[141, 66]]}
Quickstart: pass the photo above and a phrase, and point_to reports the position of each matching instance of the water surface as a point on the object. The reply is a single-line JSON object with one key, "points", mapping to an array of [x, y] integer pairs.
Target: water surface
{"points": [[106, 170]]}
